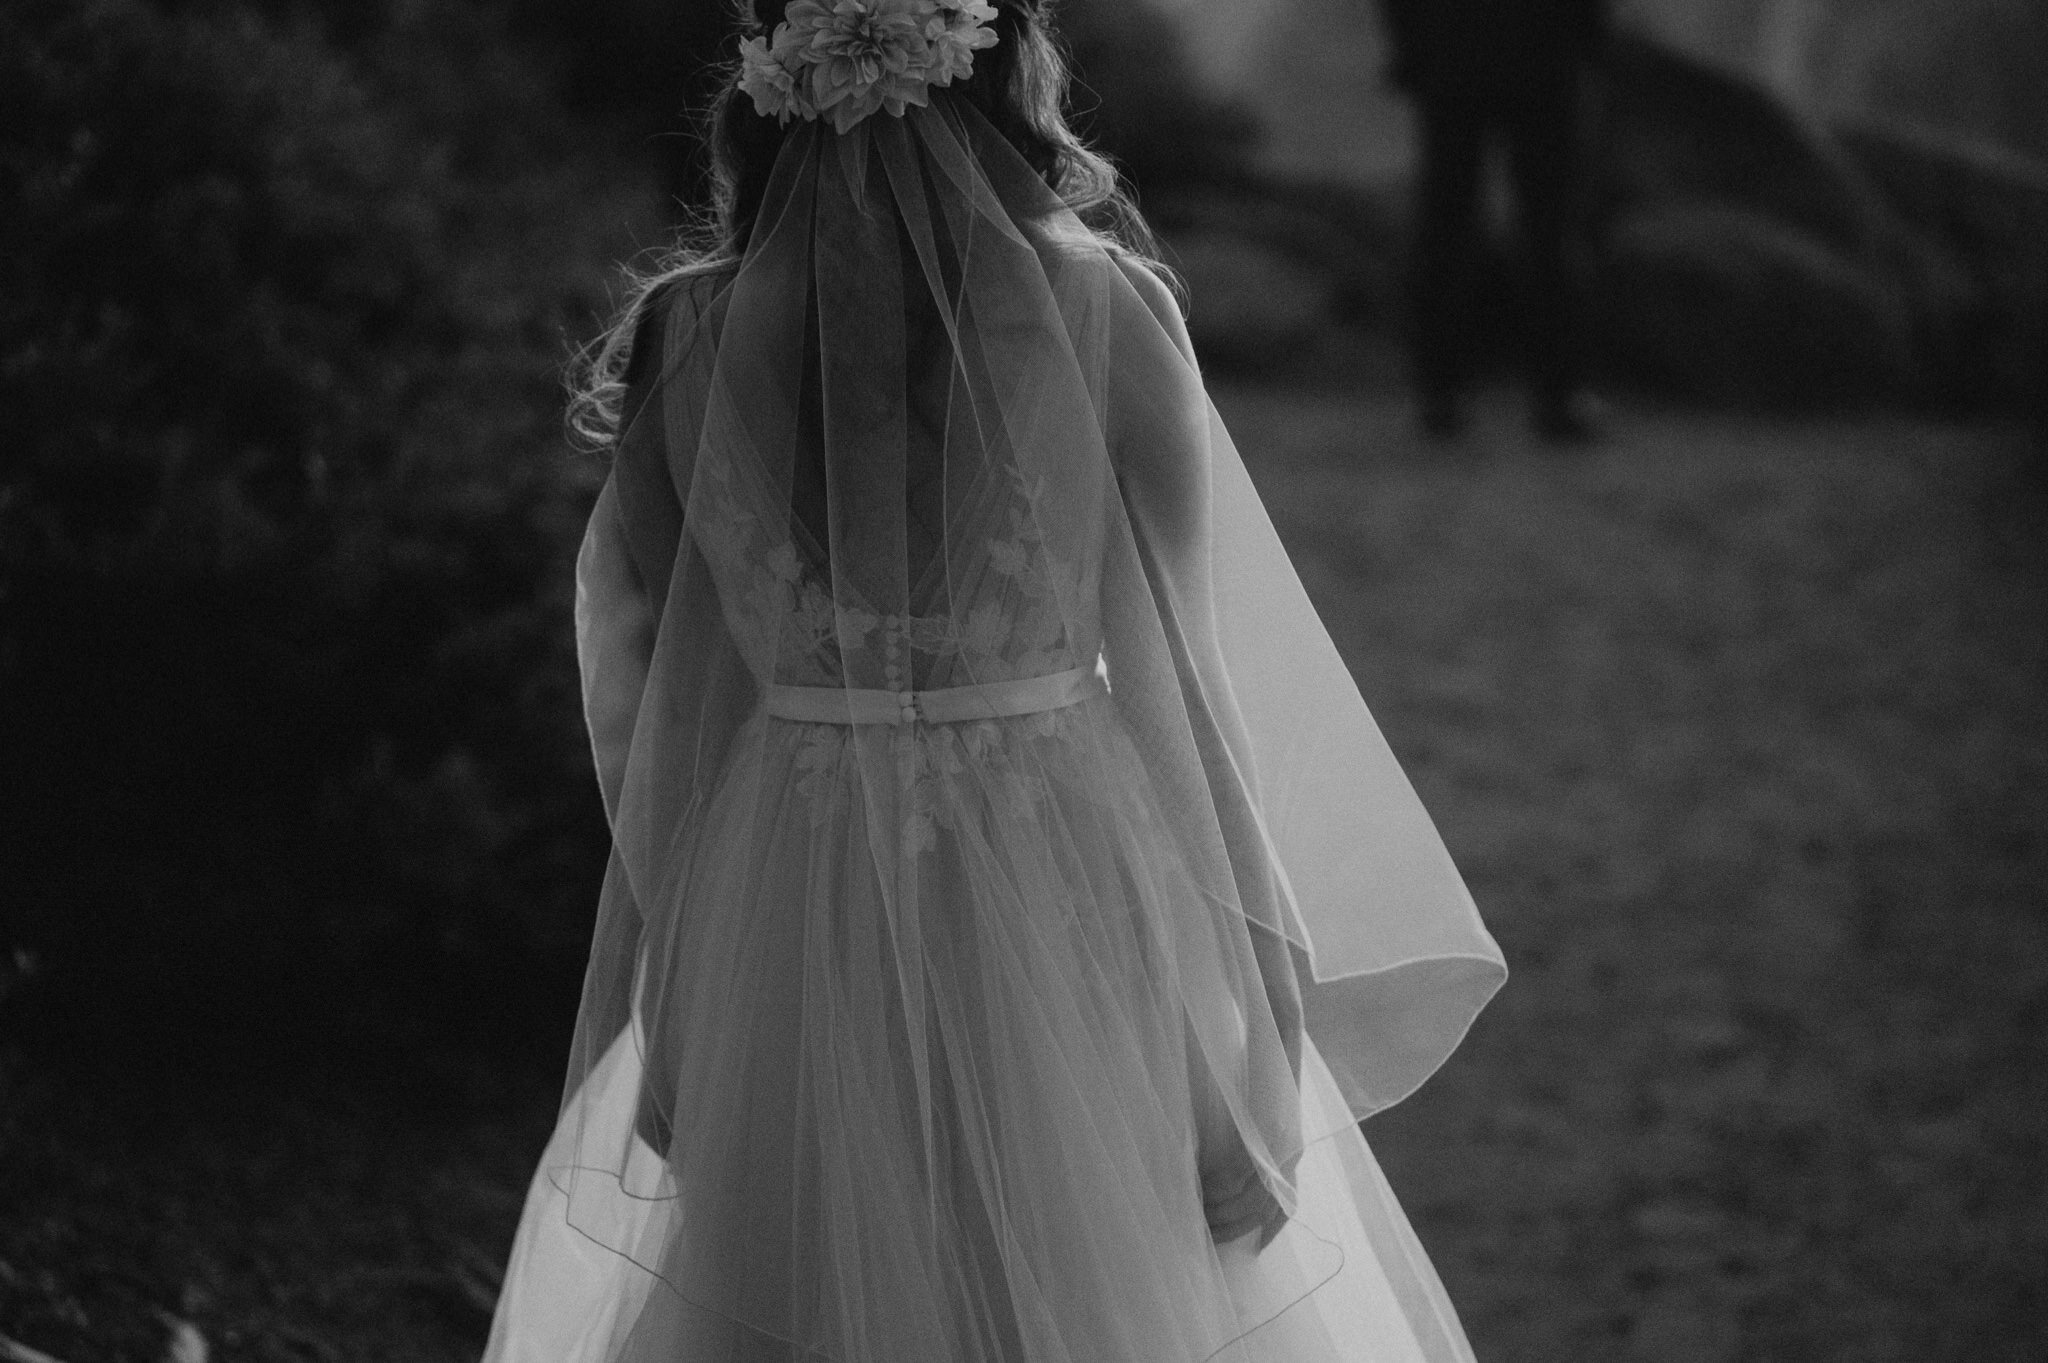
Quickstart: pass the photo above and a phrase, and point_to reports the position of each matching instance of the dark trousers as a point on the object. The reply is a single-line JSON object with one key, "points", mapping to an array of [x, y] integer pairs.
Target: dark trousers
{"points": [[1539, 128]]}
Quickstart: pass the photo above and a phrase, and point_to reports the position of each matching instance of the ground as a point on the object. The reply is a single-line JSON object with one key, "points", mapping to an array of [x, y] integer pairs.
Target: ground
{"points": [[1738, 730]]}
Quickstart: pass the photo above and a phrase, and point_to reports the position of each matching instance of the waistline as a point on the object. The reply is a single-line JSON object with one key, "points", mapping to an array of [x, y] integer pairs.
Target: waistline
{"points": [[948, 705]]}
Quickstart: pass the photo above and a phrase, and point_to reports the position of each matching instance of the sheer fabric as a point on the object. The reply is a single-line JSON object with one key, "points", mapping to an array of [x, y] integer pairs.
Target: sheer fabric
{"points": [[990, 811]]}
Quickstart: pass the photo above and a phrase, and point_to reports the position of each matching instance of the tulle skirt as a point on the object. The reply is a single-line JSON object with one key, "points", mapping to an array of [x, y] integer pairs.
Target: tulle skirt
{"points": [[910, 1081]]}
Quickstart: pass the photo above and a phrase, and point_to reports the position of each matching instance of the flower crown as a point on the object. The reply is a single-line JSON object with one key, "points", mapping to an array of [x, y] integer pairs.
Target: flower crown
{"points": [[848, 58]]}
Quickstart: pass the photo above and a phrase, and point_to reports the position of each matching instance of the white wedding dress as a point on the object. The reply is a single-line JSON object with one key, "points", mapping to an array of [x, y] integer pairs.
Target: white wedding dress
{"points": [[974, 778]]}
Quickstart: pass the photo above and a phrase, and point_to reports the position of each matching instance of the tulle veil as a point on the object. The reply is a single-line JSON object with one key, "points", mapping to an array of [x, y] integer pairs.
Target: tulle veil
{"points": [[986, 799]]}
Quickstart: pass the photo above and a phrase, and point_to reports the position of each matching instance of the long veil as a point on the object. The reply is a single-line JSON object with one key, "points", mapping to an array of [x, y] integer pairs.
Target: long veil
{"points": [[928, 575]]}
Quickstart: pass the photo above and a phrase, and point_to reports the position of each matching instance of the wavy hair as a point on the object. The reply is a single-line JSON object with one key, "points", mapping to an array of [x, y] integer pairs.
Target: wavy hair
{"points": [[1020, 85]]}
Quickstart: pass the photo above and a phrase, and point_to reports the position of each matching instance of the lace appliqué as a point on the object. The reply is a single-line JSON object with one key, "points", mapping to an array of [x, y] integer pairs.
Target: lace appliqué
{"points": [[795, 632], [1028, 635], [773, 605], [1021, 628], [1002, 770]]}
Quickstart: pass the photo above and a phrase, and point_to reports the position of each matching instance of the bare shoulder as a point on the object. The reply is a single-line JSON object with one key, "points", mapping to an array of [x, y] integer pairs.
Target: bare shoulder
{"points": [[1161, 315], [1093, 265], [1151, 289], [1157, 427]]}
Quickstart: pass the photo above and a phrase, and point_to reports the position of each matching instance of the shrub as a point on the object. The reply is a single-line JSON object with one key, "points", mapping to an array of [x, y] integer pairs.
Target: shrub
{"points": [[284, 513]]}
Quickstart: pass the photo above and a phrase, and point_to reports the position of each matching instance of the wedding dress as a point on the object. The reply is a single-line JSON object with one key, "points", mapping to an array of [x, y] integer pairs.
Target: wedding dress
{"points": [[980, 779]]}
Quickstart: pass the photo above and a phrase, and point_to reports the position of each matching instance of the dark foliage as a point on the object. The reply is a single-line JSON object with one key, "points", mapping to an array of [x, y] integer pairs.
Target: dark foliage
{"points": [[284, 508]]}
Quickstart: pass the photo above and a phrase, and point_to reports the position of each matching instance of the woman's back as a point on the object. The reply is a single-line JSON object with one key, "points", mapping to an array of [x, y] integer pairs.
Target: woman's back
{"points": [[944, 1004]]}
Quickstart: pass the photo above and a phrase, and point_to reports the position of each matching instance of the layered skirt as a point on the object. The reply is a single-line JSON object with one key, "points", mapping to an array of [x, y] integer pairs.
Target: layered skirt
{"points": [[916, 1074]]}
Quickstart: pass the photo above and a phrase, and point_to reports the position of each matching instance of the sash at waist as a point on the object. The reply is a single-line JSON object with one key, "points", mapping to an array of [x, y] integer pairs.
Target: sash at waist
{"points": [[949, 705]]}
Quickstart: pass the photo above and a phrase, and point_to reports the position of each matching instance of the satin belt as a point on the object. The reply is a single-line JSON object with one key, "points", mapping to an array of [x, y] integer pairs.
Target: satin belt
{"points": [[951, 705]]}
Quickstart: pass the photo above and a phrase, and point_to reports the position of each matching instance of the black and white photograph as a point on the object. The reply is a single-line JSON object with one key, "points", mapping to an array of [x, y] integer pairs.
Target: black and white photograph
{"points": [[1023, 681]]}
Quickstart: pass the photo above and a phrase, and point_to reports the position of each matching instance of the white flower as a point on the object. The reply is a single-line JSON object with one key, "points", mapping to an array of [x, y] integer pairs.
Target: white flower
{"points": [[771, 84], [863, 55], [849, 58], [956, 33]]}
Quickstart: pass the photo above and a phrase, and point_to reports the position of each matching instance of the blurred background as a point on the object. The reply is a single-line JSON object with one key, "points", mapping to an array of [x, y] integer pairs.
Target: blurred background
{"points": [[1735, 719]]}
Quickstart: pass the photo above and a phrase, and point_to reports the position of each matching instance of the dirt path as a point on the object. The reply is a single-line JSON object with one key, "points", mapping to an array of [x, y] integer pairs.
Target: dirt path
{"points": [[1739, 732]]}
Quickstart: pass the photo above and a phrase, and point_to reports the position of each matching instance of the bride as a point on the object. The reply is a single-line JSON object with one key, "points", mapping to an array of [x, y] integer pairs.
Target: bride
{"points": [[1012, 907]]}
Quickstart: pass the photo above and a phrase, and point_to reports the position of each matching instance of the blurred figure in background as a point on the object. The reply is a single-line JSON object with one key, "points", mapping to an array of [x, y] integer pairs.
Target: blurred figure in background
{"points": [[1511, 72]]}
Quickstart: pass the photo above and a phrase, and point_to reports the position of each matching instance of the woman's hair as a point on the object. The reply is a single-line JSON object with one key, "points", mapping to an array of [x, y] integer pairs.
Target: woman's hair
{"points": [[1019, 86]]}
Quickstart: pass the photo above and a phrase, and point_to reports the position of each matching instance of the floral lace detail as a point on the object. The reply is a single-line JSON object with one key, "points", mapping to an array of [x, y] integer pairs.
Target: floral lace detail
{"points": [[821, 758], [961, 767], [776, 604], [1020, 625], [771, 602], [1002, 641], [1004, 770]]}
